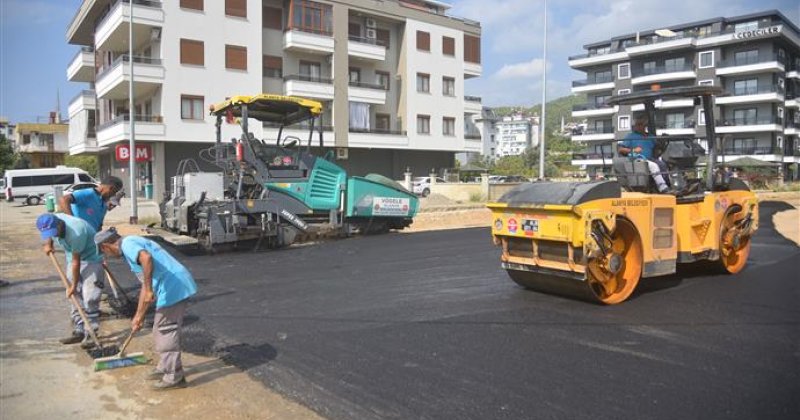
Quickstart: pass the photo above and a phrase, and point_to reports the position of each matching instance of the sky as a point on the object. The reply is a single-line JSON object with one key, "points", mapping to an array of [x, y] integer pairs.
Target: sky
{"points": [[34, 54]]}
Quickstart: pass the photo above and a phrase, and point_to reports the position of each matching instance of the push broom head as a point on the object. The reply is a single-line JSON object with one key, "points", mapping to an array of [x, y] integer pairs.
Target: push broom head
{"points": [[120, 361]]}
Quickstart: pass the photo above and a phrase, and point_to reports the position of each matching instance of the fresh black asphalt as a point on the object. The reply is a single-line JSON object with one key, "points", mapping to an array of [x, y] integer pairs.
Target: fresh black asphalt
{"points": [[427, 326]]}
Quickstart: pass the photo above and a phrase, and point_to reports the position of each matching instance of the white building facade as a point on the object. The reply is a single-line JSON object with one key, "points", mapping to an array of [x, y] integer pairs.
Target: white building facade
{"points": [[515, 134], [393, 93]]}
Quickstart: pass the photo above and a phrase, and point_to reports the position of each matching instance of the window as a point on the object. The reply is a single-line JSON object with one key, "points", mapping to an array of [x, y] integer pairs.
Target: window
{"points": [[382, 78], [709, 82], [310, 16], [745, 87], [624, 71], [355, 75], [448, 86], [423, 124], [742, 58], [600, 100], [745, 146], [448, 126], [84, 178], [310, 71], [601, 125], [448, 46], [272, 18], [675, 120], [672, 65], [701, 117], [236, 8], [623, 91], [624, 122], [472, 49], [192, 52], [706, 59], [192, 4], [382, 122], [354, 30], [382, 37], [423, 41], [603, 77], [423, 82], [746, 26], [191, 107], [780, 113], [649, 68], [272, 66], [26, 139], [744, 116], [235, 57]]}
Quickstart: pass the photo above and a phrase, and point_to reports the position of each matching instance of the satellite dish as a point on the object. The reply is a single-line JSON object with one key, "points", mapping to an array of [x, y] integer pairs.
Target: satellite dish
{"points": [[666, 33]]}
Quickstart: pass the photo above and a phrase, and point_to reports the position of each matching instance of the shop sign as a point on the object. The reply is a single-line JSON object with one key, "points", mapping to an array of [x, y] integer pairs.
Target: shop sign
{"points": [[757, 33], [143, 153]]}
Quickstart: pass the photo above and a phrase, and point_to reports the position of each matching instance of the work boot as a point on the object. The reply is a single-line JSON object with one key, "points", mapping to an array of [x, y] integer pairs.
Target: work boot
{"points": [[87, 343], [163, 386], [75, 338], [155, 375]]}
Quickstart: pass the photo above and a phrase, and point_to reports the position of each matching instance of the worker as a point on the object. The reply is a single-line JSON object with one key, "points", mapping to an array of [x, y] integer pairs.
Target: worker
{"points": [[84, 269], [91, 204], [166, 282], [638, 145]]}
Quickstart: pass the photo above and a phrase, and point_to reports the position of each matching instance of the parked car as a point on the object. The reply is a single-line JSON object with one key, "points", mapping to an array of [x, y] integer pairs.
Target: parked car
{"points": [[515, 178], [33, 184], [421, 185]]}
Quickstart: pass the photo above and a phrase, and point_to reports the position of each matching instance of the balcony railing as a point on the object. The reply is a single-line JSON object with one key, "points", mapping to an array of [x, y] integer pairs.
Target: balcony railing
{"points": [[85, 92], [309, 78], [126, 58], [596, 54], [126, 117], [672, 125], [322, 32], [595, 130], [368, 85], [750, 121], [371, 41], [377, 131], [592, 155], [755, 90], [734, 62], [472, 136], [662, 69], [83, 49], [472, 98], [763, 150], [588, 107], [593, 81], [146, 3]]}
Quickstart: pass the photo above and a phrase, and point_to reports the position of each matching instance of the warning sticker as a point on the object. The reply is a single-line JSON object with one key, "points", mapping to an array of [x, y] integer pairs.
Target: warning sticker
{"points": [[388, 206], [530, 226], [512, 225]]}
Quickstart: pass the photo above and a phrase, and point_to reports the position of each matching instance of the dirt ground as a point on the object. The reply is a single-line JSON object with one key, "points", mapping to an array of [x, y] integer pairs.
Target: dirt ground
{"points": [[42, 379]]}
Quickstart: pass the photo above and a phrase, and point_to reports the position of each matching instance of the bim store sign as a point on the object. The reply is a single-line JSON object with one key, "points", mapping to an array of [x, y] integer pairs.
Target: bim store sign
{"points": [[144, 153], [757, 33]]}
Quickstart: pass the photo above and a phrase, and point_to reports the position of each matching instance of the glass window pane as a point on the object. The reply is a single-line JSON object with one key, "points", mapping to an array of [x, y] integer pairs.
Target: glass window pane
{"points": [[186, 108], [197, 111]]}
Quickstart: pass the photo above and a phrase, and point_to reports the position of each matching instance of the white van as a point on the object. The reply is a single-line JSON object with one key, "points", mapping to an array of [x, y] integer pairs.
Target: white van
{"points": [[33, 184]]}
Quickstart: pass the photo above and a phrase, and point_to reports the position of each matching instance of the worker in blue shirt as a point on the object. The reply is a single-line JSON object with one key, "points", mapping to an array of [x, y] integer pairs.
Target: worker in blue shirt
{"points": [[84, 268], [91, 204], [638, 145], [166, 282]]}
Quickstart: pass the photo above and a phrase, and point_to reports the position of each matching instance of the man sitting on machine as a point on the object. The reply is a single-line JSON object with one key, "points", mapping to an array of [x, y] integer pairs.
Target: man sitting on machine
{"points": [[638, 145]]}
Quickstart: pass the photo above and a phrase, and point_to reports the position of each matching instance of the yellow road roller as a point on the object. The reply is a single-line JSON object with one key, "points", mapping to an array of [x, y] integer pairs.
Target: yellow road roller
{"points": [[595, 240]]}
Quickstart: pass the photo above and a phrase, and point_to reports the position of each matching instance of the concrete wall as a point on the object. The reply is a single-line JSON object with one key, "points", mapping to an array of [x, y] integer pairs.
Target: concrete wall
{"points": [[459, 191]]}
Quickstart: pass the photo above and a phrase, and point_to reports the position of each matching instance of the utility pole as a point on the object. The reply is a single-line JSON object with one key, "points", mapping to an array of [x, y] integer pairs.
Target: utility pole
{"points": [[131, 117], [544, 97]]}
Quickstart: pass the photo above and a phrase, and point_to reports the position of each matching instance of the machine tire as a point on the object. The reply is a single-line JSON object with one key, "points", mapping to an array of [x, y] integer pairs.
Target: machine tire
{"points": [[732, 258], [426, 192], [33, 200], [615, 287]]}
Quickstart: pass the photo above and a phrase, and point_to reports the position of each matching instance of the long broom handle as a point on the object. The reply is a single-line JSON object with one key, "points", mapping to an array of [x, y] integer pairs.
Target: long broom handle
{"points": [[115, 284], [87, 326], [125, 344]]}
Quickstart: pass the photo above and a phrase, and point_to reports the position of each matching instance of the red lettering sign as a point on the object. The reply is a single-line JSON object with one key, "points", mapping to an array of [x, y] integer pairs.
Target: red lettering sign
{"points": [[143, 153]]}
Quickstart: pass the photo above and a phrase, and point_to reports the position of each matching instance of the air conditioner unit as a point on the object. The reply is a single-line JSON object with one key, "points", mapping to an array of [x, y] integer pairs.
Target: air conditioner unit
{"points": [[341, 153], [371, 34], [370, 23]]}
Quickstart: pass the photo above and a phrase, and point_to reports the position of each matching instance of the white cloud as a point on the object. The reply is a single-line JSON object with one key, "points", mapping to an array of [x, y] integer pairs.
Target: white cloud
{"points": [[526, 70], [35, 12]]}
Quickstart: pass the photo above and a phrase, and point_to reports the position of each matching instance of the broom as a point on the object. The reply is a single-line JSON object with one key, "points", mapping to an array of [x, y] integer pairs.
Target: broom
{"points": [[120, 359]]}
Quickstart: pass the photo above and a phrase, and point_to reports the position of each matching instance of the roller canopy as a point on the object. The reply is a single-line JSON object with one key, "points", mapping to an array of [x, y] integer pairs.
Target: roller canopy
{"points": [[286, 110], [569, 193]]}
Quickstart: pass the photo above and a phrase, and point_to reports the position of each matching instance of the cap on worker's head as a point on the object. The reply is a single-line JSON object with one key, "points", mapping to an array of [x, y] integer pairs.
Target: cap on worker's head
{"points": [[47, 225], [114, 182], [116, 198], [108, 235]]}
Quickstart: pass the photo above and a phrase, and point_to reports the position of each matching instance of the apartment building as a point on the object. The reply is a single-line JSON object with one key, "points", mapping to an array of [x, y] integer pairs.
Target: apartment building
{"points": [[390, 75], [481, 127], [44, 145], [515, 134], [7, 128], [755, 58]]}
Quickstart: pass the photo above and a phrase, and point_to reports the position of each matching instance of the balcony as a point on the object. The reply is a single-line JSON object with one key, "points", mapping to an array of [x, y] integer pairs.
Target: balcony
{"points": [[308, 86], [111, 33], [592, 134], [749, 65], [752, 94], [676, 128], [794, 102], [592, 158], [88, 145], [148, 128], [592, 59], [366, 48], [84, 101], [472, 70], [81, 68], [752, 151], [377, 138], [472, 105], [749, 125], [369, 93], [112, 81], [663, 74], [662, 44], [593, 85], [593, 110], [307, 41]]}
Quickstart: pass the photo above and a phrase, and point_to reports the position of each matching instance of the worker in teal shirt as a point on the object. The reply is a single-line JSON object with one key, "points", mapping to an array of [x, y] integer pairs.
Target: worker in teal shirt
{"points": [[638, 145], [91, 204], [166, 282], [84, 268]]}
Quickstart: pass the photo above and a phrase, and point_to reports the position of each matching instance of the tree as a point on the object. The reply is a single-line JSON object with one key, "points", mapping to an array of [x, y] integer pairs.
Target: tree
{"points": [[7, 155], [23, 161], [87, 163]]}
